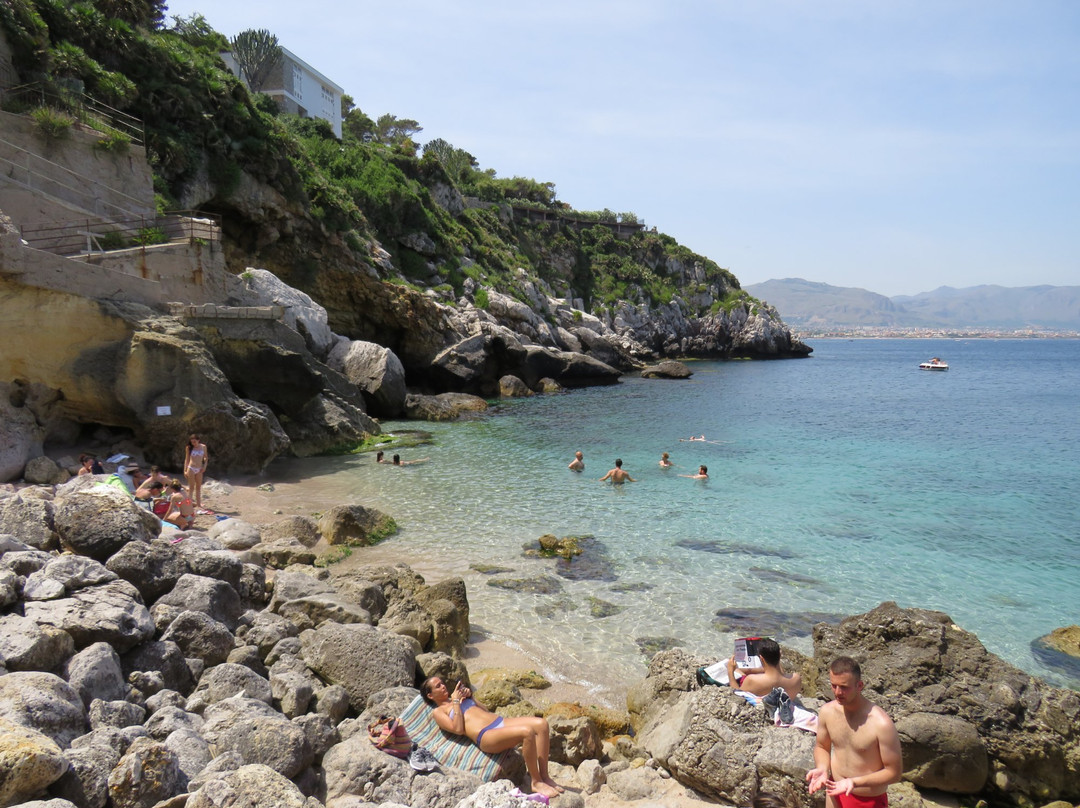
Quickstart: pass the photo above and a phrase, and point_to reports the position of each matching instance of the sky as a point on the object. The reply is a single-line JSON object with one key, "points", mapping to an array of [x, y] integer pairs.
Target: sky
{"points": [[893, 146]]}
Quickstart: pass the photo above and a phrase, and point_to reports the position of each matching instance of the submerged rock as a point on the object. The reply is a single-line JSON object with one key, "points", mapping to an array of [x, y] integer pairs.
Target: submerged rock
{"points": [[733, 548], [770, 623], [540, 585]]}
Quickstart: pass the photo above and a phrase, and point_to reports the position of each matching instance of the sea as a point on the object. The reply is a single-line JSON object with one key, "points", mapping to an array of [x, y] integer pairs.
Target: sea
{"points": [[835, 483]]}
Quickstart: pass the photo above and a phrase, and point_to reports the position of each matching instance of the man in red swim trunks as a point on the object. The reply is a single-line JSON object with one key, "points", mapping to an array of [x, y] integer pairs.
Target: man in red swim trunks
{"points": [[858, 751]]}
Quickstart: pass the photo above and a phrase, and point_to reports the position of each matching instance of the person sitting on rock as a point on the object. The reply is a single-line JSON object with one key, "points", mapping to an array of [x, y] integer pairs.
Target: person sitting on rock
{"points": [[761, 681], [459, 714], [181, 512]]}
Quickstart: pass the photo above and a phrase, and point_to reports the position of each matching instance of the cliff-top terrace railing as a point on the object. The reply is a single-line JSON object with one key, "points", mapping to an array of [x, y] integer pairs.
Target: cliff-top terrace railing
{"points": [[90, 236]]}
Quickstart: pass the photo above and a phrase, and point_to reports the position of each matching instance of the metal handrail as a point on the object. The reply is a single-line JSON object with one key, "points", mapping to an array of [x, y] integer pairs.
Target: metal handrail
{"points": [[77, 194], [90, 236], [84, 108]]}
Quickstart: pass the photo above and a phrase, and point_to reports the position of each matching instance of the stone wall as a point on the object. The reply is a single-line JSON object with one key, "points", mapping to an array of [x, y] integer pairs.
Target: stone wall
{"points": [[70, 171]]}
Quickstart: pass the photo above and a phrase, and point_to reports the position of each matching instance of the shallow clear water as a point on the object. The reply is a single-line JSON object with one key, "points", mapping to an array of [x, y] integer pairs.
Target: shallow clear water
{"points": [[836, 482]]}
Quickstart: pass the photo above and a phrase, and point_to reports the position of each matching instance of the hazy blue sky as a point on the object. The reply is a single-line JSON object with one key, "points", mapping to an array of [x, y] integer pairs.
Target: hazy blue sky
{"points": [[894, 146]]}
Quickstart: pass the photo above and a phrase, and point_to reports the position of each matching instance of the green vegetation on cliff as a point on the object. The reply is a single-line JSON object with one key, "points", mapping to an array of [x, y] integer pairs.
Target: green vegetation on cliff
{"points": [[442, 218]]}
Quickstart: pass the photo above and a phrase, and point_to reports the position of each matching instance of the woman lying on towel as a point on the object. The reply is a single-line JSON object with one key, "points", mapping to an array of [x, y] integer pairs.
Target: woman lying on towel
{"points": [[456, 712]]}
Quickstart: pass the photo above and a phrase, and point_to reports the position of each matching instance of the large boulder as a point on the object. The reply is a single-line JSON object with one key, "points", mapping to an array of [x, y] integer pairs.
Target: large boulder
{"points": [[200, 636], [95, 673], [44, 703], [361, 658], [227, 680], [569, 369], [148, 773], [86, 783], [715, 742], [668, 369], [164, 660], [21, 437], [112, 613], [376, 371], [197, 593], [99, 520], [943, 752], [29, 762], [152, 568], [355, 525], [931, 676], [26, 646], [271, 741], [250, 785], [302, 314], [30, 520]]}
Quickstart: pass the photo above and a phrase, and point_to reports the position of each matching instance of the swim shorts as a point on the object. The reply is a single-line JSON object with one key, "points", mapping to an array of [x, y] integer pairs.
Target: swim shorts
{"points": [[853, 801], [498, 722]]}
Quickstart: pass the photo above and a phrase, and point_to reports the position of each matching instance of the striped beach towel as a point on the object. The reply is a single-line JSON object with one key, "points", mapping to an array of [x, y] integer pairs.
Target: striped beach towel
{"points": [[454, 751]]}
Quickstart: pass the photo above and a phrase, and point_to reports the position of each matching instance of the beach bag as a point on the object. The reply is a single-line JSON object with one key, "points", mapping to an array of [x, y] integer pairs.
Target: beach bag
{"points": [[161, 507], [390, 735]]}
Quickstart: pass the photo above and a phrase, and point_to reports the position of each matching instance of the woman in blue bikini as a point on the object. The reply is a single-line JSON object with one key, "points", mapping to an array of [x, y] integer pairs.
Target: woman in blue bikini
{"points": [[458, 713]]}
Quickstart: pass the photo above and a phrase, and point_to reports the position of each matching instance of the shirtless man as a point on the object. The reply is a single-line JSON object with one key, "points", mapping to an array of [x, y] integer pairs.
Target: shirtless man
{"points": [[702, 474], [761, 681], [617, 475], [858, 751], [578, 463]]}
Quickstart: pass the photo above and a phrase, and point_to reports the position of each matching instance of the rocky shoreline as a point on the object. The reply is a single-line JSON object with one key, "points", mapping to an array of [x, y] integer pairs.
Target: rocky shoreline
{"points": [[146, 666]]}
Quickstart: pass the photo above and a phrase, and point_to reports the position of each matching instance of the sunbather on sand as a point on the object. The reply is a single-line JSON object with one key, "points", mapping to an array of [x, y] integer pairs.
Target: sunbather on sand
{"points": [[457, 713], [181, 512]]}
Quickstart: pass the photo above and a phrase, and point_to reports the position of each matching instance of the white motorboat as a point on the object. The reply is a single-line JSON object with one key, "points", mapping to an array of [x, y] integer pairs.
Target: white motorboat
{"points": [[934, 364]]}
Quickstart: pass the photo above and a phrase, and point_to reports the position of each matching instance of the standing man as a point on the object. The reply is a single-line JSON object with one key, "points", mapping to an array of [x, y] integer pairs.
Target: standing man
{"points": [[578, 463], [858, 751], [617, 475]]}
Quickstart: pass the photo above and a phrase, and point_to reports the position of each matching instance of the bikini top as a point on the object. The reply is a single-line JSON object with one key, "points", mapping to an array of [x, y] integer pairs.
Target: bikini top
{"points": [[467, 704], [196, 454]]}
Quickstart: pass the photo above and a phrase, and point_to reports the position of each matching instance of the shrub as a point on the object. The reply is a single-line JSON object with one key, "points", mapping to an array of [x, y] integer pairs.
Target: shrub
{"points": [[52, 123], [114, 142], [481, 299], [150, 235]]}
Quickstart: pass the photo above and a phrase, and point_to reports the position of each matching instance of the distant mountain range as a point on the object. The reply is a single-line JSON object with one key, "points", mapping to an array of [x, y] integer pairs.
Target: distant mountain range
{"points": [[820, 307]]}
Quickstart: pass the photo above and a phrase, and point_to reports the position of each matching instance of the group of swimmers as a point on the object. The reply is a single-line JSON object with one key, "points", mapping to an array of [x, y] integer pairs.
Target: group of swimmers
{"points": [[618, 475]]}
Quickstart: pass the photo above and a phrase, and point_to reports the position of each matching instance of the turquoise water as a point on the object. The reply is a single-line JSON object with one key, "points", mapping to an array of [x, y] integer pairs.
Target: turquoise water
{"points": [[836, 482]]}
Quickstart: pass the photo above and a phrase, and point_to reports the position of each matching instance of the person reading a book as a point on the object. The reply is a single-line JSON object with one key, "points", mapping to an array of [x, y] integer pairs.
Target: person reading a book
{"points": [[457, 712], [761, 680]]}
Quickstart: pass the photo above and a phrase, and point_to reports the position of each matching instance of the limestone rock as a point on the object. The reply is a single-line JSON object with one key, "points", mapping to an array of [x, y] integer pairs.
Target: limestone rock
{"points": [[118, 714], [200, 636], [95, 673], [512, 387], [43, 702], [148, 773], [376, 371], [27, 646], [44, 471], [20, 437], [98, 521], [269, 741], [30, 520], [112, 613], [355, 525], [302, 314], [574, 740], [29, 762], [152, 568], [943, 752], [163, 658], [228, 680], [86, 783], [360, 658], [309, 612], [235, 534], [250, 785], [668, 369], [302, 528], [197, 593]]}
